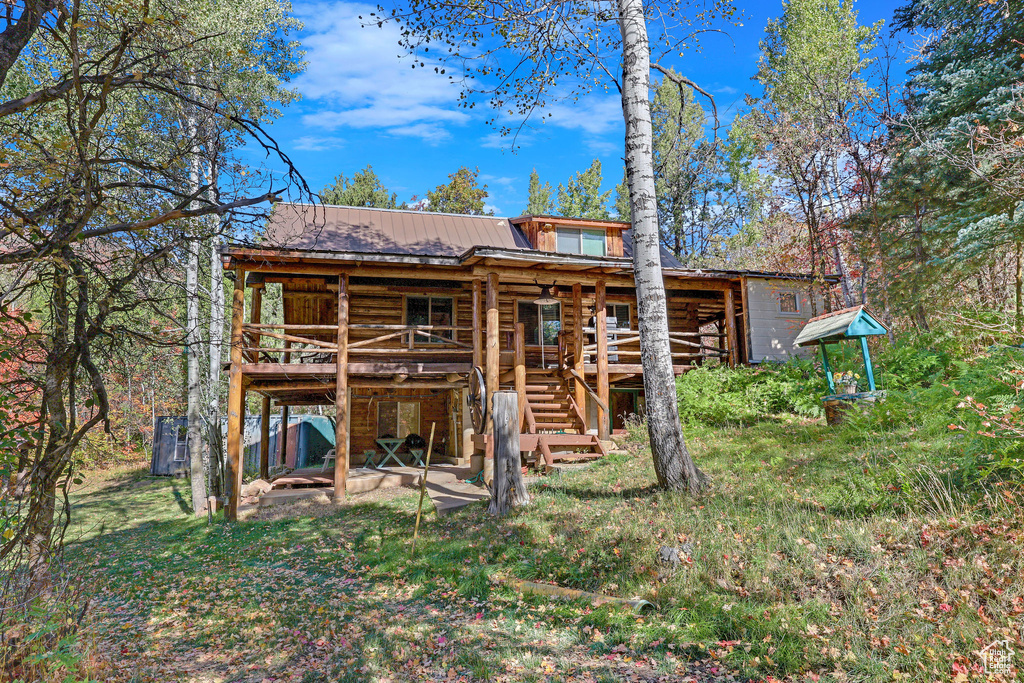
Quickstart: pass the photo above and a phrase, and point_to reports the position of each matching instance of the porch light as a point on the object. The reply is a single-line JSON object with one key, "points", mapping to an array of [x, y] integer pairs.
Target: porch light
{"points": [[545, 298]]}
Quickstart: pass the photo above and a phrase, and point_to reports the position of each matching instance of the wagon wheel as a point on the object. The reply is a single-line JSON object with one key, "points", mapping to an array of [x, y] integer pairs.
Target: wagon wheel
{"points": [[477, 399]]}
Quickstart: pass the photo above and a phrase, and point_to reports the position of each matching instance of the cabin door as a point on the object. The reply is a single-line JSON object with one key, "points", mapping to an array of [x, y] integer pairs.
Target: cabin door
{"points": [[623, 404]]}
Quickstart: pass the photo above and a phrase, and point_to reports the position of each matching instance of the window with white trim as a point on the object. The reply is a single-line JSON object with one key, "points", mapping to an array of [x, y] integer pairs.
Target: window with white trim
{"points": [[580, 241]]}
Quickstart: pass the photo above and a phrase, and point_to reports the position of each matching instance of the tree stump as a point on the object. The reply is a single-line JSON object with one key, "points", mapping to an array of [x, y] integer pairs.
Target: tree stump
{"points": [[508, 490]]}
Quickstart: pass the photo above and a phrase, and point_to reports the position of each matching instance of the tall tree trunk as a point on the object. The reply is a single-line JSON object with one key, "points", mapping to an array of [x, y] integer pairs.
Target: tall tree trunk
{"points": [[1018, 288], [216, 344], [193, 344], [672, 462]]}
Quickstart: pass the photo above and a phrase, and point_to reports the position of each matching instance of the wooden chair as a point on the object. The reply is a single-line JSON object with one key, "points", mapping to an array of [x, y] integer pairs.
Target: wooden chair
{"points": [[328, 458], [369, 458]]}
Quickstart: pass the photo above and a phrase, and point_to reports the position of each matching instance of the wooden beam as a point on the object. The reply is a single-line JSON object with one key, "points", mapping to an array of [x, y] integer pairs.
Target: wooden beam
{"points": [[282, 436], [520, 371], [236, 398], [492, 355], [478, 351], [577, 345], [747, 346], [265, 438], [256, 315], [730, 326], [341, 455], [603, 427]]}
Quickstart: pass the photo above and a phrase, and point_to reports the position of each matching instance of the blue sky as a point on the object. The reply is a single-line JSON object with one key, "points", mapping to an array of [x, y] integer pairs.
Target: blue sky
{"points": [[363, 104]]}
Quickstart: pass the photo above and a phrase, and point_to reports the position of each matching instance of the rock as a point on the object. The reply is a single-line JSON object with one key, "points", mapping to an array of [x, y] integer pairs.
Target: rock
{"points": [[673, 557], [256, 488]]}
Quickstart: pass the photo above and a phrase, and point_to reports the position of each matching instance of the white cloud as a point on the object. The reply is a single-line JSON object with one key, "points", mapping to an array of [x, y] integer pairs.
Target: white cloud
{"points": [[314, 143], [725, 90], [358, 78], [593, 115]]}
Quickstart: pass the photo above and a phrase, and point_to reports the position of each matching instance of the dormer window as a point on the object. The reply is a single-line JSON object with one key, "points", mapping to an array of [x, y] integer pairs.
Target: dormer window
{"points": [[581, 241]]}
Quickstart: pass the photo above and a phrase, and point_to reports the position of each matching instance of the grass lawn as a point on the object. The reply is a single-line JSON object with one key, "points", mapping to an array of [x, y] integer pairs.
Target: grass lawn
{"points": [[817, 553]]}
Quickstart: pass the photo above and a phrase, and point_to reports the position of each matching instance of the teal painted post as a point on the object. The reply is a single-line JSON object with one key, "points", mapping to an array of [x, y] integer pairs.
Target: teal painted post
{"points": [[828, 369], [867, 362]]}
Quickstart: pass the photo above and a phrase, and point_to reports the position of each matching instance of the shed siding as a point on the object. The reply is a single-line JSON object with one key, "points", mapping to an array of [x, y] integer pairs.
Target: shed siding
{"points": [[772, 333]]}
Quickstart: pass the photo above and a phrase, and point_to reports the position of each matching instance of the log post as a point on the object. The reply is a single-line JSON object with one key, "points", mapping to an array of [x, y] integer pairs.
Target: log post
{"points": [[508, 490], [577, 346], [478, 326], [265, 438], [236, 398], [491, 362], [730, 326], [341, 454], [282, 446], [520, 371], [601, 312]]}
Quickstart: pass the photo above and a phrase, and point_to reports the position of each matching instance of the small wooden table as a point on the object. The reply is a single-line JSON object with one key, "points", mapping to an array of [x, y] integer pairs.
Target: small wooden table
{"points": [[390, 447]]}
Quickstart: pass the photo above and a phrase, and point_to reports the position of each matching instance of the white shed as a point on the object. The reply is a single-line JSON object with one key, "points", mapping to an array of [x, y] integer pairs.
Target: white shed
{"points": [[777, 309]]}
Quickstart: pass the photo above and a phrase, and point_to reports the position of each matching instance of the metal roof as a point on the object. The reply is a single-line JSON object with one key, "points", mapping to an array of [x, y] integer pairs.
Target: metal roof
{"points": [[848, 323], [316, 227]]}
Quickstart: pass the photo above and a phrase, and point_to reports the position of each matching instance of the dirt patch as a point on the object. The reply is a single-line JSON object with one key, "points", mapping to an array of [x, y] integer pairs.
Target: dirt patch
{"points": [[321, 506]]}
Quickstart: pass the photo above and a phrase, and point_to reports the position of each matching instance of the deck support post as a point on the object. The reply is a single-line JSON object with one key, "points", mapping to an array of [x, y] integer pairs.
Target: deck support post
{"points": [[601, 313], [265, 438], [478, 325], [491, 360], [282, 446], [577, 347], [341, 454], [236, 398], [730, 326], [520, 371]]}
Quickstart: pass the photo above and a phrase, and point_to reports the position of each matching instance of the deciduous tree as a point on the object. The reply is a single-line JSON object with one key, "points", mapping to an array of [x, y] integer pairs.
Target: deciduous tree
{"points": [[364, 189], [461, 194]]}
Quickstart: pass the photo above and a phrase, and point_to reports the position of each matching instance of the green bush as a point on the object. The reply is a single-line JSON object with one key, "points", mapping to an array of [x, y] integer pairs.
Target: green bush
{"points": [[721, 395]]}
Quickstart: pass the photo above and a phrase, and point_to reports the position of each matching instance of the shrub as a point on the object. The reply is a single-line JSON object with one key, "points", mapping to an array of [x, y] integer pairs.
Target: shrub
{"points": [[721, 395]]}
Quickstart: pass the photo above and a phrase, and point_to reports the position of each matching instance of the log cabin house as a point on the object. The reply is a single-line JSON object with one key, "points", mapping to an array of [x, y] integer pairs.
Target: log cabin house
{"points": [[391, 316]]}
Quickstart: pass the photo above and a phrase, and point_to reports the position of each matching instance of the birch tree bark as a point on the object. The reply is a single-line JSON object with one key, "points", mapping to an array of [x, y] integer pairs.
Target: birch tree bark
{"points": [[193, 345], [672, 462]]}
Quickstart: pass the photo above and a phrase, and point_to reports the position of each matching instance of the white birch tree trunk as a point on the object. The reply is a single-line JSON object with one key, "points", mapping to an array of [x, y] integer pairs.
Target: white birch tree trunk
{"points": [[193, 345], [672, 462], [216, 345]]}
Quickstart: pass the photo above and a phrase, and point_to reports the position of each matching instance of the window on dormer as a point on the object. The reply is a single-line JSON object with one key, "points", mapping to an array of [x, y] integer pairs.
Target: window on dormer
{"points": [[581, 241]]}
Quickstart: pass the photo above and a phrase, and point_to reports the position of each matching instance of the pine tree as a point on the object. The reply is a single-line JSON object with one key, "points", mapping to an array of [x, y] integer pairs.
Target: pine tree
{"points": [[364, 189], [582, 197]]}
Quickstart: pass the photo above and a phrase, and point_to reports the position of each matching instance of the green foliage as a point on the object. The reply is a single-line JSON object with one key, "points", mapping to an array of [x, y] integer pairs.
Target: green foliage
{"points": [[462, 194], [582, 197], [364, 189], [967, 117], [540, 201], [623, 209], [742, 395]]}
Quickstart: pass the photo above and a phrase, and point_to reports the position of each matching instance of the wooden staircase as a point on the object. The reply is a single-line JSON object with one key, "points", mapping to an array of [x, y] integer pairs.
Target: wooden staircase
{"points": [[555, 427]]}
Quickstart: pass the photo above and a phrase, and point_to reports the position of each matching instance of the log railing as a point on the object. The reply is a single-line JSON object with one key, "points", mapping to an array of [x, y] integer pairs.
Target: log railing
{"points": [[300, 343], [684, 345]]}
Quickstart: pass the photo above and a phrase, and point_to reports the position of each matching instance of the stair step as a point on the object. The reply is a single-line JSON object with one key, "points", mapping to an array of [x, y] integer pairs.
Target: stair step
{"points": [[555, 425], [560, 406]]}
